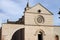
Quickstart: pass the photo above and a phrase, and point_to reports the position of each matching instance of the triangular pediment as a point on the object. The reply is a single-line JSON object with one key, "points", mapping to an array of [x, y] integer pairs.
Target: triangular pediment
{"points": [[37, 7]]}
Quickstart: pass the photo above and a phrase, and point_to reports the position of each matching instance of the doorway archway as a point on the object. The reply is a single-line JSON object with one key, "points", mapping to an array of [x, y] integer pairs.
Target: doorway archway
{"points": [[40, 36], [18, 35]]}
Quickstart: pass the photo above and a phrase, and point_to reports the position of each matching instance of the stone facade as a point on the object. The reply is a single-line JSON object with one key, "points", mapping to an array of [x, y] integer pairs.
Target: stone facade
{"points": [[37, 20]]}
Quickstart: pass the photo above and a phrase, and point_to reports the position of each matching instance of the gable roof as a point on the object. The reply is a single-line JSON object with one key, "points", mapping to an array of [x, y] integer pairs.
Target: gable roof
{"points": [[43, 7]]}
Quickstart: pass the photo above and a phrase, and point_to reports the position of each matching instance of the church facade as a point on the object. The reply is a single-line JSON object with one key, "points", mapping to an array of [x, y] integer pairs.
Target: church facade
{"points": [[36, 24]]}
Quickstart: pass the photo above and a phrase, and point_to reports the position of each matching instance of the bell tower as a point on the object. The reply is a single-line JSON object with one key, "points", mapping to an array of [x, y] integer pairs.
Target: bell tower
{"points": [[27, 6]]}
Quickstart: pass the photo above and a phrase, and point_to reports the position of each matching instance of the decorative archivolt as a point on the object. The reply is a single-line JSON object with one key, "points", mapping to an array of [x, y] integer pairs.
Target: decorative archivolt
{"points": [[39, 31], [15, 31]]}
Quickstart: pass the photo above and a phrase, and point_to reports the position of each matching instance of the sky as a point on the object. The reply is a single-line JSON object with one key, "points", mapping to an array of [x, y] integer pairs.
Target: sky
{"points": [[13, 9]]}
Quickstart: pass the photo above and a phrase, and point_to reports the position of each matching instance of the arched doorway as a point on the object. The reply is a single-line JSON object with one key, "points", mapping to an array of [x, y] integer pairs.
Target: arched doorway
{"points": [[18, 35], [40, 36], [56, 37]]}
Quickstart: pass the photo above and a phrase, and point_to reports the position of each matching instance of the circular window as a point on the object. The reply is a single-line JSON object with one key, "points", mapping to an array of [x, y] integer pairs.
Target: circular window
{"points": [[39, 11], [39, 19]]}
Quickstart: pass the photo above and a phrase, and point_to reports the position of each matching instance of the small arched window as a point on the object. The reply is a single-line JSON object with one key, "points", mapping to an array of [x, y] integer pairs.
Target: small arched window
{"points": [[56, 37]]}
